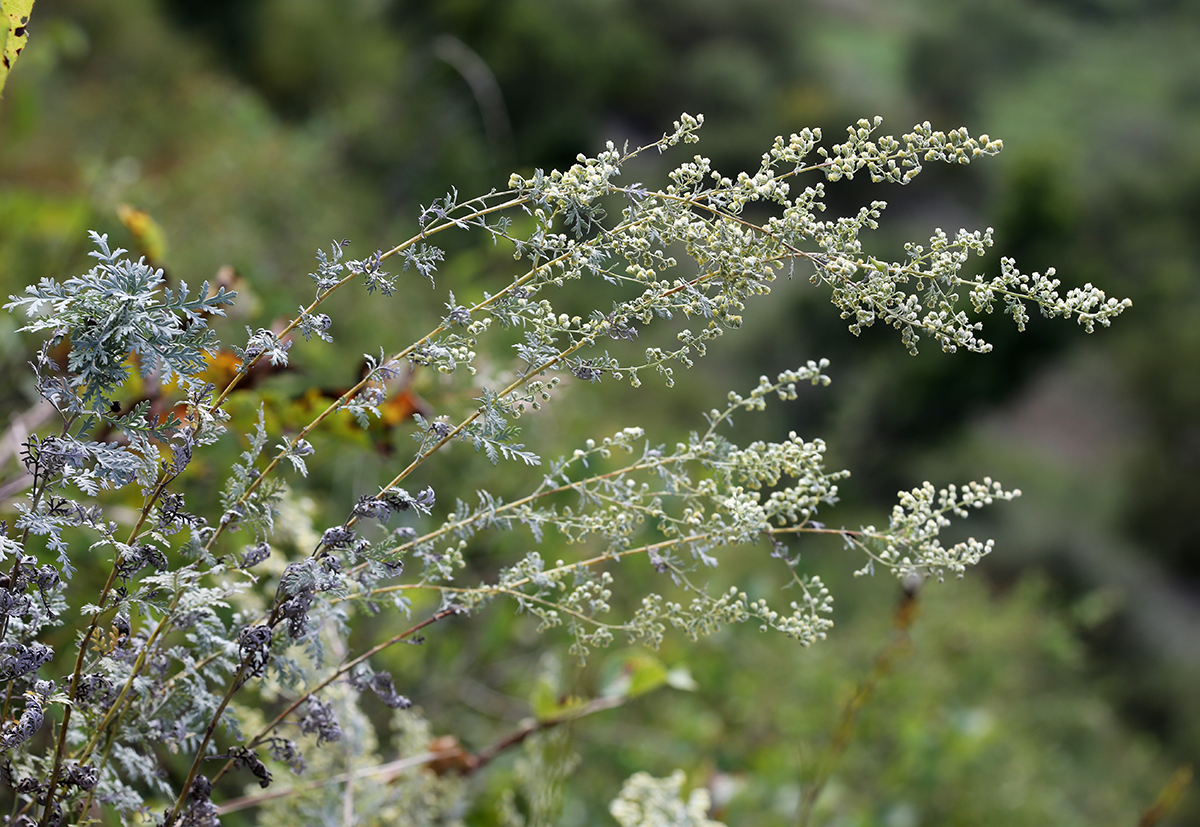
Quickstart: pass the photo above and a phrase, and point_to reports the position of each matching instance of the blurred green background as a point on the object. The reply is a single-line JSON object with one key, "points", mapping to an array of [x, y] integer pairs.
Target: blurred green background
{"points": [[1059, 685]]}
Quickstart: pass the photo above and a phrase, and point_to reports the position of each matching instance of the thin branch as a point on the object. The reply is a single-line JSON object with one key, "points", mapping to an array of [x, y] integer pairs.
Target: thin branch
{"points": [[489, 753], [385, 773], [902, 620], [342, 670]]}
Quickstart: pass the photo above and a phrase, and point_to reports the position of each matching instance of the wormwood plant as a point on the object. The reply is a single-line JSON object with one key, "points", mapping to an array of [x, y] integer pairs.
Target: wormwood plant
{"points": [[198, 662]]}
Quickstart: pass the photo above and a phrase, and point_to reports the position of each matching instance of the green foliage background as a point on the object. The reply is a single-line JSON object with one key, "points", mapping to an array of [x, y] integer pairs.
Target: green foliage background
{"points": [[1058, 689]]}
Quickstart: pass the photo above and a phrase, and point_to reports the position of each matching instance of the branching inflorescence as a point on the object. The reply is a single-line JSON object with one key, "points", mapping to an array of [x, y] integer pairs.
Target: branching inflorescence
{"points": [[182, 627]]}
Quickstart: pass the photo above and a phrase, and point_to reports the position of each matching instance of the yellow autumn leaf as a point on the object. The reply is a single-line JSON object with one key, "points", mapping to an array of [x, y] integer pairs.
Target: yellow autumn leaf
{"points": [[148, 235], [15, 33]]}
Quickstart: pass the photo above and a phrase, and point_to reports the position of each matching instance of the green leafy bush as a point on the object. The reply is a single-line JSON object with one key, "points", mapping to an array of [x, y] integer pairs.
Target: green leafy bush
{"points": [[223, 645]]}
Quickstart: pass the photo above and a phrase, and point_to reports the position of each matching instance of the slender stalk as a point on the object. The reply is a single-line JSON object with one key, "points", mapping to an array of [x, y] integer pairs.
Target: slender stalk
{"points": [[342, 670], [392, 769], [618, 555], [486, 755], [117, 707], [61, 745], [402, 354], [384, 772], [902, 620], [77, 672]]}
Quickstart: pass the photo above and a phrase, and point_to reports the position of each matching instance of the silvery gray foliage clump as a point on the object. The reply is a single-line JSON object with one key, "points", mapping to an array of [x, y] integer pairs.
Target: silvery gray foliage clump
{"points": [[202, 611]]}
